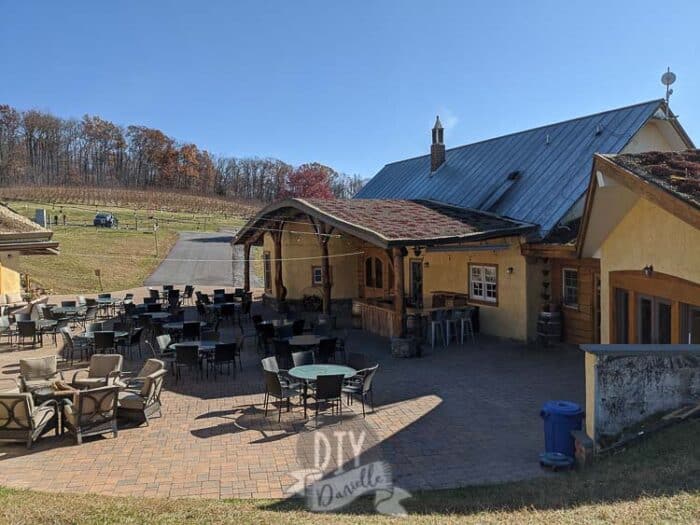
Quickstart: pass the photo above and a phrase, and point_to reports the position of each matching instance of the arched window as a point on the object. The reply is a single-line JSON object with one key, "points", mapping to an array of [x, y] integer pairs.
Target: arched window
{"points": [[369, 281], [378, 274]]}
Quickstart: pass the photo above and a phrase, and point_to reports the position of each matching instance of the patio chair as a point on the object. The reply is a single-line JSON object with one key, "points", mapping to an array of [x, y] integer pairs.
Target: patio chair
{"points": [[132, 340], [90, 316], [187, 294], [266, 333], [21, 420], [103, 370], [357, 361], [219, 299], [153, 308], [229, 297], [228, 311], [149, 300], [27, 330], [219, 291], [81, 300], [96, 326], [361, 386], [6, 328], [270, 364], [298, 327], [154, 295], [104, 342], [204, 298], [224, 354], [73, 345], [187, 356], [167, 357], [22, 317], [274, 388], [38, 372], [329, 390], [92, 412], [283, 353], [190, 330], [141, 399], [466, 325], [326, 349], [246, 310], [69, 304], [303, 358]]}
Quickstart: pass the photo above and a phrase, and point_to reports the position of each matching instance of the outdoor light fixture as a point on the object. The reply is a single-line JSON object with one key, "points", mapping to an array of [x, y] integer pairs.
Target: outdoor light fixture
{"points": [[648, 270], [509, 270], [416, 251]]}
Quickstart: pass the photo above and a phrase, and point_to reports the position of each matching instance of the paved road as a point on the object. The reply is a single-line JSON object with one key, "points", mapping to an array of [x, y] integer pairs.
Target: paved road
{"points": [[203, 259]]}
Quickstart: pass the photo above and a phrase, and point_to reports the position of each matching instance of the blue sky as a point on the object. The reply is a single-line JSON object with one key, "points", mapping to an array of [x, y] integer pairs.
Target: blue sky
{"points": [[351, 84]]}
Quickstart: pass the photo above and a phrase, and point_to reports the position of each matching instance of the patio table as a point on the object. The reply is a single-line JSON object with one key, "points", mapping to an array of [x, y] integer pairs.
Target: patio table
{"points": [[68, 310], [204, 347], [305, 340], [176, 326], [117, 334], [155, 316], [311, 372]]}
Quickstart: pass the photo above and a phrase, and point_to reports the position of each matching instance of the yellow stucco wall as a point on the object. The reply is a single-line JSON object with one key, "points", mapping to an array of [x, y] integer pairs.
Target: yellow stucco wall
{"points": [[648, 235], [449, 272], [298, 242], [9, 280]]}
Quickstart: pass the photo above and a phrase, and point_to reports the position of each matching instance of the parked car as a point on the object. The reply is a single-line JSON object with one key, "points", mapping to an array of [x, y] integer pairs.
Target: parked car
{"points": [[106, 220]]}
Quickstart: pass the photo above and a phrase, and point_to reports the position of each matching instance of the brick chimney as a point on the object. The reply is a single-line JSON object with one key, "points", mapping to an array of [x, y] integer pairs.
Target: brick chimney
{"points": [[437, 148]]}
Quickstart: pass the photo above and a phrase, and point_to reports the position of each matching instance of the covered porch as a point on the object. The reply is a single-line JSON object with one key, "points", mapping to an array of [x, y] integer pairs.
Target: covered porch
{"points": [[370, 258]]}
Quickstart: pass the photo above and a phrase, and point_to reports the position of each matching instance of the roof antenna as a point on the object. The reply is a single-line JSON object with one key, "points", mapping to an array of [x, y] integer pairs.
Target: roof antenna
{"points": [[667, 79]]}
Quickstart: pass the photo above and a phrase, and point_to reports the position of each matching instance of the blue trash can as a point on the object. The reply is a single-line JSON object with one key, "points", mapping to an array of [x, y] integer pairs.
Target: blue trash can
{"points": [[560, 418]]}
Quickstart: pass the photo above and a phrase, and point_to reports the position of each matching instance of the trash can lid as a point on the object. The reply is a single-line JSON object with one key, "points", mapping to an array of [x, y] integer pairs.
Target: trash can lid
{"points": [[565, 408]]}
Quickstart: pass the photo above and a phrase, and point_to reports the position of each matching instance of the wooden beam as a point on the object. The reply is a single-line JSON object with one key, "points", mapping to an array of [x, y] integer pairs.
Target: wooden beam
{"points": [[323, 233], [676, 323], [246, 266], [280, 289], [399, 292]]}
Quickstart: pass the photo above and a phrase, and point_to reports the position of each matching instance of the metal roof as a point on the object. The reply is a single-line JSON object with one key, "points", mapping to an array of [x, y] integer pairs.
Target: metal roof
{"points": [[553, 164]]}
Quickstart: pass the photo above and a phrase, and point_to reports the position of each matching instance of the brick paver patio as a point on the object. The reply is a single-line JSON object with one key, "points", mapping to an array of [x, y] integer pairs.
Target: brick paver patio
{"points": [[456, 416]]}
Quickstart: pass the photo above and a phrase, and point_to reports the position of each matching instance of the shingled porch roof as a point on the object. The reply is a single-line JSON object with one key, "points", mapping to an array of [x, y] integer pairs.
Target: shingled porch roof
{"points": [[19, 234], [387, 223]]}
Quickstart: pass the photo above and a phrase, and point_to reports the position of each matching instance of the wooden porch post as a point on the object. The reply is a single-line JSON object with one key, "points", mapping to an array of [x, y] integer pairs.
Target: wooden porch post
{"points": [[280, 289], [246, 267], [323, 233], [399, 293]]}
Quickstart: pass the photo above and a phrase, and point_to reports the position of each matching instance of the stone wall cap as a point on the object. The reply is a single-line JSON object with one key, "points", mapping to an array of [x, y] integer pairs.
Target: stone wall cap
{"points": [[638, 349]]}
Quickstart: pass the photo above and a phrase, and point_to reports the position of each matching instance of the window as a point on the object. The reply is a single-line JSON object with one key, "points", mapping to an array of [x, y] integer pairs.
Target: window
{"points": [[483, 283], [267, 271], [316, 276], [569, 282], [378, 271], [622, 298], [374, 273]]}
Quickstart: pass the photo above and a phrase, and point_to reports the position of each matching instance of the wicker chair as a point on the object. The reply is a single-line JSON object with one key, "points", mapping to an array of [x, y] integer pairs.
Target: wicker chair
{"points": [[104, 370], [141, 397], [38, 372], [21, 420], [93, 412]]}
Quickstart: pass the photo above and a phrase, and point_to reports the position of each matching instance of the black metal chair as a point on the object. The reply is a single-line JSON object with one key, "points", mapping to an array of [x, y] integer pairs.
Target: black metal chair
{"points": [[187, 356], [357, 361], [68, 304], [361, 386], [274, 388], [187, 294], [283, 353], [303, 358], [27, 330], [190, 330], [298, 327], [224, 354], [329, 390], [153, 308], [154, 295], [104, 342], [326, 350]]}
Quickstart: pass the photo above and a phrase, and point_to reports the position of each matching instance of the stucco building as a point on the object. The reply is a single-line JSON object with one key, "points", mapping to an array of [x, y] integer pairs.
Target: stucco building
{"points": [[492, 224]]}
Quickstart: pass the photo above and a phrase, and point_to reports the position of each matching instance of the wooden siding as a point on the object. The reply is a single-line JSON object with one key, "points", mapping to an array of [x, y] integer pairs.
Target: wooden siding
{"points": [[578, 322], [377, 319]]}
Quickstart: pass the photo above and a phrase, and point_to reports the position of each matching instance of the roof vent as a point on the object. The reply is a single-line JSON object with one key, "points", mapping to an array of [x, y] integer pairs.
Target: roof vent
{"points": [[598, 129], [547, 140], [514, 175]]}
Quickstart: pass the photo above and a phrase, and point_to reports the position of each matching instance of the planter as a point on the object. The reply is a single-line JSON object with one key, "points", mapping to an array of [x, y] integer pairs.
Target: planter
{"points": [[405, 347]]}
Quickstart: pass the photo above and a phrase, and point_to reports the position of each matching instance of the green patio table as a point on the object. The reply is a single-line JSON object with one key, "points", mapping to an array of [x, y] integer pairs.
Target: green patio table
{"points": [[311, 372]]}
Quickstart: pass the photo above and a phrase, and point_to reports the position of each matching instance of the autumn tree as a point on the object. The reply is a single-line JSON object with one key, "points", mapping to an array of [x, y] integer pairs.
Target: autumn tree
{"points": [[310, 180]]}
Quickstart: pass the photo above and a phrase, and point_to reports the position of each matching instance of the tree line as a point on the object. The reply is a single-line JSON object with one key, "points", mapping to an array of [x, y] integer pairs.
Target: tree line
{"points": [[38, 148]]}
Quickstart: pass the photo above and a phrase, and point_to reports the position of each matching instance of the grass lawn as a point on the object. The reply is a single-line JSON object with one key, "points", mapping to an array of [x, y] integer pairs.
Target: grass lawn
{"points": [[657, 481], [125, 256]]}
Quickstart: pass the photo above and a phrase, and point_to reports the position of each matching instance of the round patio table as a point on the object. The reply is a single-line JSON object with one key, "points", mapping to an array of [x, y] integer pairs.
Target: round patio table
{"points": [[117, 334], [177, 325], [311, 372], [156, 316], [68, 310], [203, 346], [105, 300], [305, 340]]}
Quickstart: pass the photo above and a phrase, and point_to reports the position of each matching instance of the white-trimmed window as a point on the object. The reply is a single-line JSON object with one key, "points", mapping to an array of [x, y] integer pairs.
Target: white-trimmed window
{"points": [[316, 276], [569, 284], [483, 283]]}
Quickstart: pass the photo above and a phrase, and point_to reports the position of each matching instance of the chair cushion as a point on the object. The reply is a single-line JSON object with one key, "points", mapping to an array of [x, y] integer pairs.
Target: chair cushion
{"points": [[101, 365], [69, 414], [132, 400], [33, 384], [14, 297], [151, 366], [38, 367], [90, 382], [42, 415]]}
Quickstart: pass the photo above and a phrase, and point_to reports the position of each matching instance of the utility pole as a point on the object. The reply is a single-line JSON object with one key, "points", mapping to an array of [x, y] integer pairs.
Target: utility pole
{"points": [[155, 235]]}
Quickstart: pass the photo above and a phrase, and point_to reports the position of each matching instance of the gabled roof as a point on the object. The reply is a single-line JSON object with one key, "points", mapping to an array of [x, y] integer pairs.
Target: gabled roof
{"points": [[676, 172], [19, 234], [387, 223], [537, 175]]}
